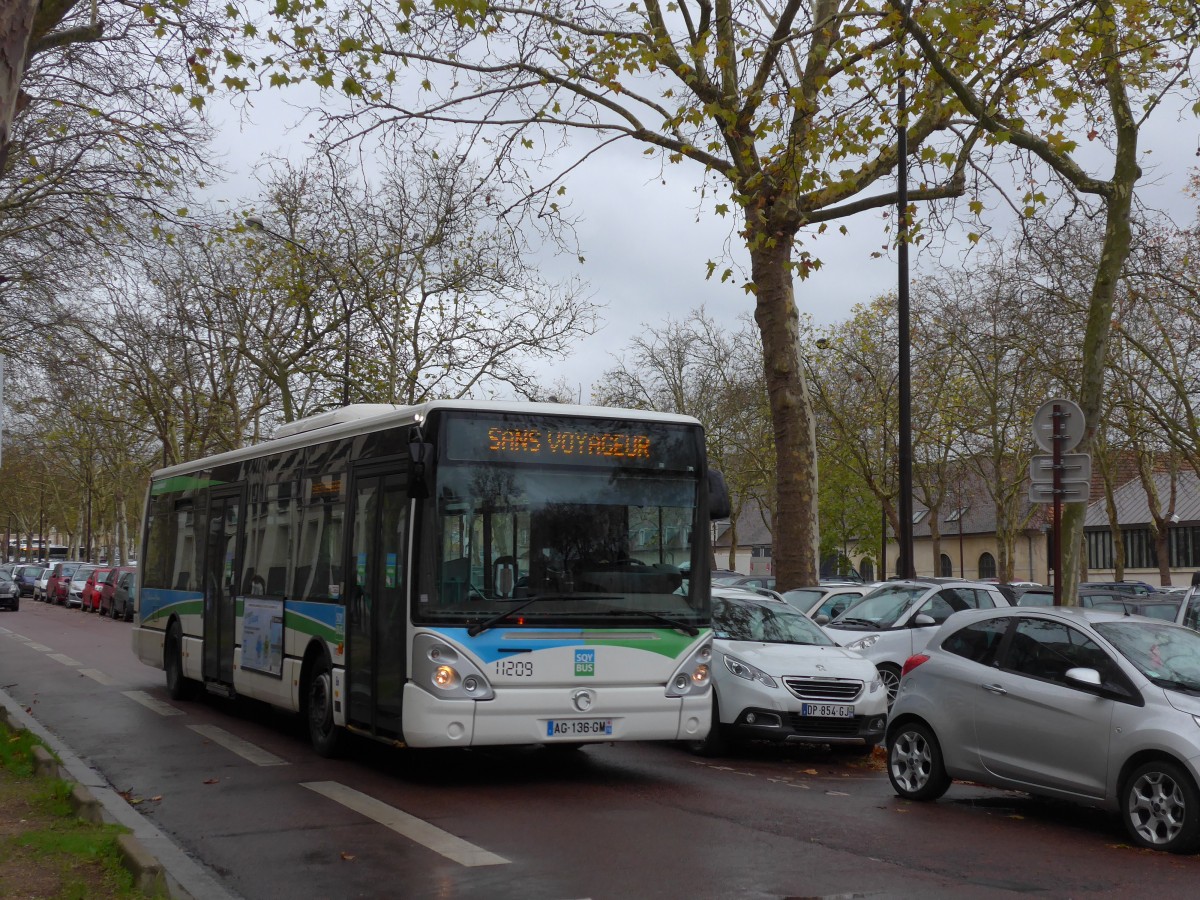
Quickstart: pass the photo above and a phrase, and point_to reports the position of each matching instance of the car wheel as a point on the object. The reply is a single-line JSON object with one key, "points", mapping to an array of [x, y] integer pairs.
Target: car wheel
{"points": [[326, 737], [715, 743], [178, 687], [914, 761], [1161, 807], [890, 676]]}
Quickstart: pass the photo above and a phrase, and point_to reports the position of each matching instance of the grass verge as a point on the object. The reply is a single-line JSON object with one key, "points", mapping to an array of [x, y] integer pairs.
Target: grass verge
{"points": [[46, 851]]}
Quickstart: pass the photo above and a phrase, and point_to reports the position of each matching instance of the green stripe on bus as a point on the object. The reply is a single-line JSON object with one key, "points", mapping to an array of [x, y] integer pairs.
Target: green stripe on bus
{"points": [[666, 642], [182, 483], [182, 608]]}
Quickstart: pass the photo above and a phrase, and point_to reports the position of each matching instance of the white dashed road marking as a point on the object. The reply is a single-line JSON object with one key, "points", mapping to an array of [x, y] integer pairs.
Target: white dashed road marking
{"points": [[418, 830], [97, 675], [163, 709], [242, 748], [65, 660], [41, 648]]}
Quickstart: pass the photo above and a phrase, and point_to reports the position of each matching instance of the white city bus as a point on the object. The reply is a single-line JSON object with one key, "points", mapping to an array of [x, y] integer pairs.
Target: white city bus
{"points": [[450, 574]]}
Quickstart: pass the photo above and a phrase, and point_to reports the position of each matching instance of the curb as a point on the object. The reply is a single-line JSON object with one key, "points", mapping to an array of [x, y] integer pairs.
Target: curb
{"points": [[148, 875], [144, 849]]}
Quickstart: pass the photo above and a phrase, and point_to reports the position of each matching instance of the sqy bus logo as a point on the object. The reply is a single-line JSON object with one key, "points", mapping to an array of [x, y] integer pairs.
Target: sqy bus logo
{"points": [[585, 662]]}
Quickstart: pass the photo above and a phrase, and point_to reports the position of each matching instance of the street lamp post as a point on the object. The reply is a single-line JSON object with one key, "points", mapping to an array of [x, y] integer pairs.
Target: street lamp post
{"points": [[257, 224], [904, 565]]}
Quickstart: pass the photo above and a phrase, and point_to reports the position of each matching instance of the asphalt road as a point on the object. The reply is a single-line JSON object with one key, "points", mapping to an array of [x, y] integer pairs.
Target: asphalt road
{"points": [[237, 788]]}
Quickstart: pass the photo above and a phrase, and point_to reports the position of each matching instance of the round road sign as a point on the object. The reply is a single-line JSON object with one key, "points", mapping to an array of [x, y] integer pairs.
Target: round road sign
{"points": [[1070, 431]]}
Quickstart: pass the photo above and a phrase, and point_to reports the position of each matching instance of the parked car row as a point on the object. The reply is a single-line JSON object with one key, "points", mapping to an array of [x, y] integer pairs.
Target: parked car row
{"points": [[106, 590]]}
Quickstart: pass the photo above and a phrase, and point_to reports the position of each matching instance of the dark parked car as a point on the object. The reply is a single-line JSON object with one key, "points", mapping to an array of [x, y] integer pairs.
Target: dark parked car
{"points": [[10, 592], [122, 596], [26, 578], [106, 589], [1089, 596]]}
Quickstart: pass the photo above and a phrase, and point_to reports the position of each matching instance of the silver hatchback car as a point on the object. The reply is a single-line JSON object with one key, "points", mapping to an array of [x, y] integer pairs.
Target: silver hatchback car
{"points": [[1094, 707]]}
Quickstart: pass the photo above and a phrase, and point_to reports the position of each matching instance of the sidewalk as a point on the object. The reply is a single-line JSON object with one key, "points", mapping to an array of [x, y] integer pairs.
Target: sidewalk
{"points": [[159, 867]]}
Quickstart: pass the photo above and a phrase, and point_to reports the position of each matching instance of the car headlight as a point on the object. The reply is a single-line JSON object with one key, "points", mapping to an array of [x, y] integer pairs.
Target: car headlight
{"points": [[863, 643], [749, 672], [875, 684]]}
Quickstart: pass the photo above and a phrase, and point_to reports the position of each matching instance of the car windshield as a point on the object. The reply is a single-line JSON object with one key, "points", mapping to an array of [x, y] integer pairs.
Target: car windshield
{"points": [[5, 578], [881, 608], [734, 620], [1169, 655], [803, 598]]}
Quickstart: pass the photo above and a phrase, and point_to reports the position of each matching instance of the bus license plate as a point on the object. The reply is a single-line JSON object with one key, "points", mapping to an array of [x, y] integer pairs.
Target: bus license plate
{"points": [[827, 710], [579, 727]]}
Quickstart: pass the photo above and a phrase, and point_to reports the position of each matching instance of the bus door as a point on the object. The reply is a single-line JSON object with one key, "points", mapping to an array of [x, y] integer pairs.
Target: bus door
{"points": [[222, 563], [376, 600]]}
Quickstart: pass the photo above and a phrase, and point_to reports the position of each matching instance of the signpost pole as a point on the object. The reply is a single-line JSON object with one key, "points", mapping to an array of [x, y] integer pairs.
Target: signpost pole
{"points": [[1059, 438]]}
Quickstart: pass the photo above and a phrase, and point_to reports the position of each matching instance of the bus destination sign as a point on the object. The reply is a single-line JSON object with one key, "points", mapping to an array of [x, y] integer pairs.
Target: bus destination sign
{"points": [[547, 440]]}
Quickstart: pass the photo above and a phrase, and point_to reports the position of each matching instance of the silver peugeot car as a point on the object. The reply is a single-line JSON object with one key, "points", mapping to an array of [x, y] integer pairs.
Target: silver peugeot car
{"points": [[1094, 707]]}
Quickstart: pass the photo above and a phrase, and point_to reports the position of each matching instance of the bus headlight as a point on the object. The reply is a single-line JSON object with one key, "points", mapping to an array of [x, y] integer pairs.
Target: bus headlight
{"points": [[694, 674], [446, 671]]}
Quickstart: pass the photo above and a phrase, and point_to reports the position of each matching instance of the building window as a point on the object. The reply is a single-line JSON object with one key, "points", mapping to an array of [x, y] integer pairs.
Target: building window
{"points": [[867, 569], [987, 565], [1139, 549], [1184, 546], [1099, 549], [947, 567]]}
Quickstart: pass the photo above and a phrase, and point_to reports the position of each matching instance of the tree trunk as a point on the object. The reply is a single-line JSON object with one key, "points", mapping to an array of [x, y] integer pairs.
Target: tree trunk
{"points": [[16, 25], [795, 535]]}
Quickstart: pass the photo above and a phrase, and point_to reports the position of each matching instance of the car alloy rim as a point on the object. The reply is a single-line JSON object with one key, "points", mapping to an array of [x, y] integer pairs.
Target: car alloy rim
{"points": [[911, 761], [891, 682], [1157, 808]]}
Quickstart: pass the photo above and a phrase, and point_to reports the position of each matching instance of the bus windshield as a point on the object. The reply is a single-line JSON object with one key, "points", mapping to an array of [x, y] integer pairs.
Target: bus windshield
{"points": [[594, 547]]}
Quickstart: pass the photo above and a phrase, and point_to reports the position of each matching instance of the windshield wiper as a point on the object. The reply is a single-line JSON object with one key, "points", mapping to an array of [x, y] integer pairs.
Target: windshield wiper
{"points": [[483, 626], [658, 617], [867, 622], [1174, 685]]}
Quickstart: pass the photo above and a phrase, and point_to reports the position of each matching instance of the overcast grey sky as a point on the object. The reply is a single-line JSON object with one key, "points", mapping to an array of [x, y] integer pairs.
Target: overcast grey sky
{"points": [[646, 247]]}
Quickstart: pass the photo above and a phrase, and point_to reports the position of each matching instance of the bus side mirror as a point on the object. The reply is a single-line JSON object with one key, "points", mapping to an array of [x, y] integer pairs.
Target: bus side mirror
{"points": [[420, 454], [718, 496]]}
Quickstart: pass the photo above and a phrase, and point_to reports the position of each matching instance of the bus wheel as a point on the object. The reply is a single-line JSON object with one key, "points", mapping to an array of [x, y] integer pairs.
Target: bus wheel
{"points": [[178, 687], [326, 737]]}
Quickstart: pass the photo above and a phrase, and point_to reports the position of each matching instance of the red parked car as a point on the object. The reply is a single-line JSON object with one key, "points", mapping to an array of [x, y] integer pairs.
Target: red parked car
{"points": [[108, 584], [60, 582], [91, 590]]}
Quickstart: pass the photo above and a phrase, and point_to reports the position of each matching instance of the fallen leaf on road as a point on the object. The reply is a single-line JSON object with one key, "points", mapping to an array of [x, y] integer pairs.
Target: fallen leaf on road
{"points": [[1015, 816], [811, 772], [156, 798], [349, 857], [836, 794], [211, 780]]}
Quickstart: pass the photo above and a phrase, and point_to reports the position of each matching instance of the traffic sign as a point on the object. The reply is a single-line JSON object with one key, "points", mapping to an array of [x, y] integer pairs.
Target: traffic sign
{"points": [[1071, 491], [1070, 431], [1074, 467]]}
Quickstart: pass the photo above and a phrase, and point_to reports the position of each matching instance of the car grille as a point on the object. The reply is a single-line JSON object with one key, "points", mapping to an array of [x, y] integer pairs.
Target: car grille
{"points": [[839, 690], [813, 726]]}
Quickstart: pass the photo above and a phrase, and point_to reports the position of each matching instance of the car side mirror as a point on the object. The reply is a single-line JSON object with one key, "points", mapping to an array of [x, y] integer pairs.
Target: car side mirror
{"points": [[822, 619], [923, 620], [1083, 675]]}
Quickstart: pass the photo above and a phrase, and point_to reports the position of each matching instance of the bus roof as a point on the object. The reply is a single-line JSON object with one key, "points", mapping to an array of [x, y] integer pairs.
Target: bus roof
{"points": [[363, 418]]}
